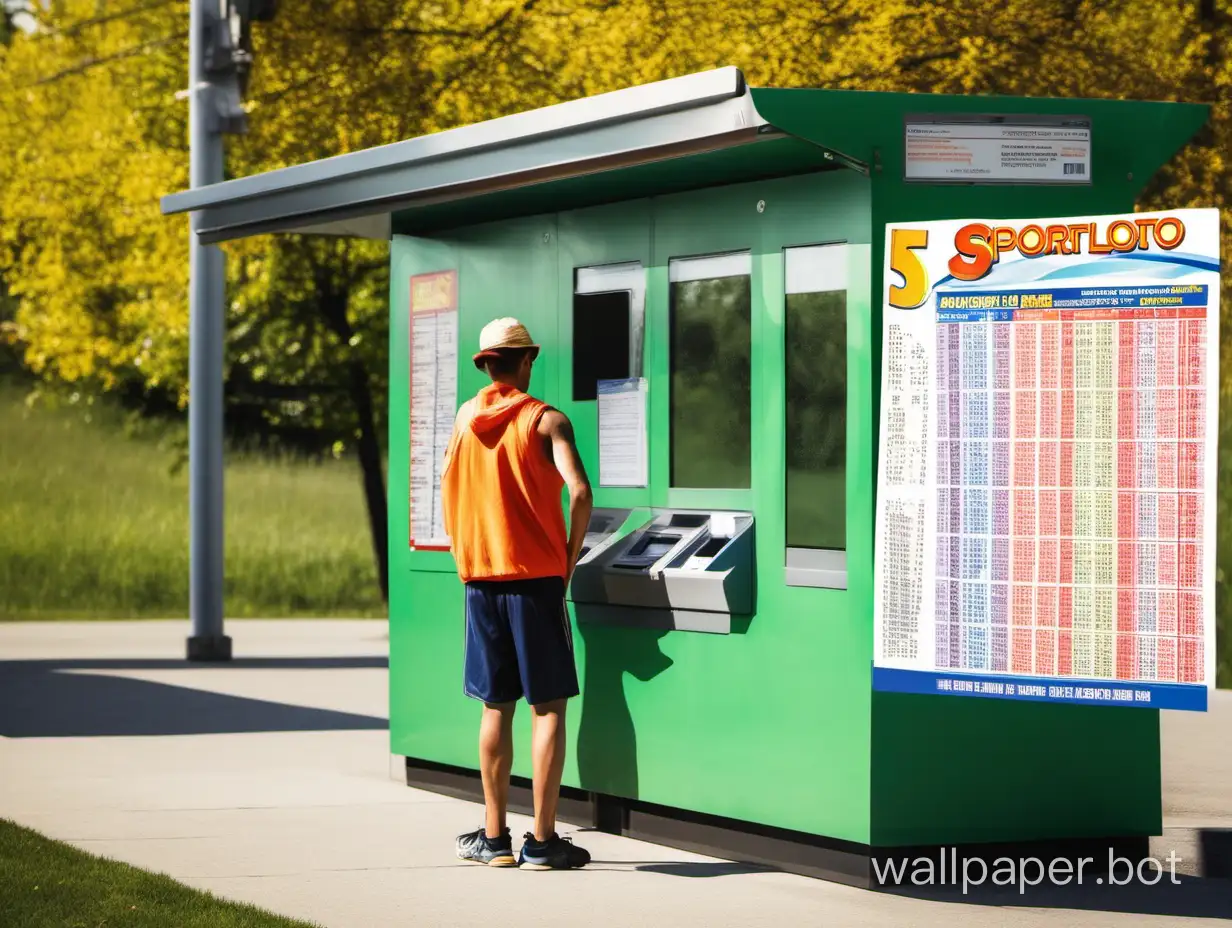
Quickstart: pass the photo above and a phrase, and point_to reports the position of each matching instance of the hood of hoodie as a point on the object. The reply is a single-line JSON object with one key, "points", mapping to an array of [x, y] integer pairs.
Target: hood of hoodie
{"points": [[495, 406]]}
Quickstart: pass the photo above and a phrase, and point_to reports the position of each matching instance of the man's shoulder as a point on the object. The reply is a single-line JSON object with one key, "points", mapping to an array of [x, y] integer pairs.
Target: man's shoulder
{"points": [[552, 419], [465, 411]]}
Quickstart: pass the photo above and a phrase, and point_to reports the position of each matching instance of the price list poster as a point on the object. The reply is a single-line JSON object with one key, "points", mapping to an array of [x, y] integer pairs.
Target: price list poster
{"points": [[1046, 496], [434, 400]]}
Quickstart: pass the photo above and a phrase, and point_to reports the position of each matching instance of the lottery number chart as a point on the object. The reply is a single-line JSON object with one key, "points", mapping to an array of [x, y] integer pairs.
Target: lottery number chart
{"points": [[1069, 450], [433, 333]]}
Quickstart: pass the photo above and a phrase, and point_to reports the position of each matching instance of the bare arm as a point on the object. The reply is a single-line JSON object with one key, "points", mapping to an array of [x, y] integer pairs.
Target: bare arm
{"points": [[557, 431]]}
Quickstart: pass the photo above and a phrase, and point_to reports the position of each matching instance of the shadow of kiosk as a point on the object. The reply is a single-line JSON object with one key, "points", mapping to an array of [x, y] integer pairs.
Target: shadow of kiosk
{"points": [[616, 660]]}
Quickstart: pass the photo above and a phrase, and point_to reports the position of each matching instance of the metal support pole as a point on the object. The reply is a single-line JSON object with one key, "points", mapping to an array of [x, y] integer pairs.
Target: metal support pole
{"points": [[205, 368]]}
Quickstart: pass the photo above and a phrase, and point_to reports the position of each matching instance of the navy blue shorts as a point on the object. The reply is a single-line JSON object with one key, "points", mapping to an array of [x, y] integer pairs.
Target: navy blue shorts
{"points": [[518, 641]]}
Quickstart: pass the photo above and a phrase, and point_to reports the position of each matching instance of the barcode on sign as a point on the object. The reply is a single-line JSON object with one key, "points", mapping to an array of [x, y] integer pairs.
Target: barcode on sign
{"points": [[1075, 167]]}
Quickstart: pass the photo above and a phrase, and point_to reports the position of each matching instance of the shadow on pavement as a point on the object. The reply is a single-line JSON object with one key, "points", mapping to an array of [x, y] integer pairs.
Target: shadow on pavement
{"points": [[238, 663], [688, 868], [1192, 897], [697, 869], [39, 699]]}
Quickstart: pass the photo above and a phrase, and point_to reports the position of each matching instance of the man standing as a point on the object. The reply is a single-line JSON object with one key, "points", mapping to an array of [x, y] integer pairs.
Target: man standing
{"points": [[508, 458]]}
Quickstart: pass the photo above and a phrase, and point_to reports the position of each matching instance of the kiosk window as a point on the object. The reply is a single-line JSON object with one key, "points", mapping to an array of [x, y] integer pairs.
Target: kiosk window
{"points": [[816, 389], [711, 347], [608, 312]]}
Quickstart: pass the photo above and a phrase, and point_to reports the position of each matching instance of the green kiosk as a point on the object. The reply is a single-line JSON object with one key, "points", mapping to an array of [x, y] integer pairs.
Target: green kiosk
{"points": [[701, 261]]}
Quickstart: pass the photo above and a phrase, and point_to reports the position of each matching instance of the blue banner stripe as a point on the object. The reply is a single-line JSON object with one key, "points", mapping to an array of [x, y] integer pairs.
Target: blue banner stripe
{"points": [[1043, 689], [1000, 305]]}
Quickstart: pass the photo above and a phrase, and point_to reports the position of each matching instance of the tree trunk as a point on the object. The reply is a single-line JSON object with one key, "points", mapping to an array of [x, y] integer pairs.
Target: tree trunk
{"points": [[369, 448], [332, 305]]}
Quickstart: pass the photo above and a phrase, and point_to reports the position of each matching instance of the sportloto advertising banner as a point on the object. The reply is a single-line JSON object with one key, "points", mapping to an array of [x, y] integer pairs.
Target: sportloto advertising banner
{"points": [[1046, 495]]}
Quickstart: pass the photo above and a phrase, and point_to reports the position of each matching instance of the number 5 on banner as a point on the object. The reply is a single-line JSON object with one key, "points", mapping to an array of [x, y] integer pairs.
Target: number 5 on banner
{"points": [[907, 264]]}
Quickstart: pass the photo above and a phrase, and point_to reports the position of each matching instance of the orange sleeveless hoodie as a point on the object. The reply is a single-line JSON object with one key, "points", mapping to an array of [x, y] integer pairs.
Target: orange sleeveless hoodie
{"points": [[501, 492]]}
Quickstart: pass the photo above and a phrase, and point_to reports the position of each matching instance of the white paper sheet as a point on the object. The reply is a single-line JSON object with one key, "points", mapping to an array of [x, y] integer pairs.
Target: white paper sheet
{"points": [[623, 455], [433, 400]]}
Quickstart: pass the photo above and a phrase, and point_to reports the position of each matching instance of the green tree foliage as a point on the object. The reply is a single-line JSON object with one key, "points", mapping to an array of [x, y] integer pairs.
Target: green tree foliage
{"points": [[92, 133]]}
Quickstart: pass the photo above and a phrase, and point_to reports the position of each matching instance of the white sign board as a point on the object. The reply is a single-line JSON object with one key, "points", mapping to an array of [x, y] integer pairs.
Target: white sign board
{"points": [[1026, 151], [434, 400], [623, 442]]}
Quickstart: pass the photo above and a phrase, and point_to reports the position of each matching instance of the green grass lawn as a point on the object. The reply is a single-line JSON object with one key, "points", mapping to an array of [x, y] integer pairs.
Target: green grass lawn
{"points": [[46, 884], [94, 525]]}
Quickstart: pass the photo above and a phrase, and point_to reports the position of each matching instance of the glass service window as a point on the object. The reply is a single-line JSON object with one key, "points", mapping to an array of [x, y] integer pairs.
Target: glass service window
{"points": [[815, 368], [711, 350], [608, 316]]}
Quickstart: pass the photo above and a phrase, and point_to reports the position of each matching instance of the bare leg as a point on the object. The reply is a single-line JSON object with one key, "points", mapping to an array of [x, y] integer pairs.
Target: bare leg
{"points": [[548, 747], [495, 762]]}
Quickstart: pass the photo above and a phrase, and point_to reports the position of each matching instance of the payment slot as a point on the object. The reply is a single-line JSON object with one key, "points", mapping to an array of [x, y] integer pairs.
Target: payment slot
{"points": [[603, 530], [682, 569]]}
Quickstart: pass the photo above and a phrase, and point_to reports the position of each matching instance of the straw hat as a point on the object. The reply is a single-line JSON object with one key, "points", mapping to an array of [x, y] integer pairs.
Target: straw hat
{"points": [[502, 334]]}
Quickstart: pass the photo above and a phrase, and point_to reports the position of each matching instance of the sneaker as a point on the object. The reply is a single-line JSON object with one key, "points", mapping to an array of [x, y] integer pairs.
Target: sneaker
{"points": [[556, 853], [495, 852]]}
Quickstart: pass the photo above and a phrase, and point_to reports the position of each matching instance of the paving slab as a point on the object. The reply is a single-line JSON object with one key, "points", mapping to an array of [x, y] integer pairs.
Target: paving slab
{"points": [[269, 781]]}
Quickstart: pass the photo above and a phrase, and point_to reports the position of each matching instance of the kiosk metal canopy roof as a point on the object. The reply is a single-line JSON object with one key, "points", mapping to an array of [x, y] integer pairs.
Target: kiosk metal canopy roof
{"points": [[700, 130], [671, 135]]}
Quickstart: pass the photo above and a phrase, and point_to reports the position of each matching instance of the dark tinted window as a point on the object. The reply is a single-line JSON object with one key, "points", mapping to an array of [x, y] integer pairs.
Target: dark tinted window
{"points": [[600, 340]]}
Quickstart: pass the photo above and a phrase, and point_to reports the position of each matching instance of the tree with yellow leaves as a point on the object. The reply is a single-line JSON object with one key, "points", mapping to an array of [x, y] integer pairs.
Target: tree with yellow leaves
{"points": [[92, 133]]}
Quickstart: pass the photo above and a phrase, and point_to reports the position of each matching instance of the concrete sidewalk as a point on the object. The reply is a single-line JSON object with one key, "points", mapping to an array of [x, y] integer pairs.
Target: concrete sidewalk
{"points": [[269, 781]]}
